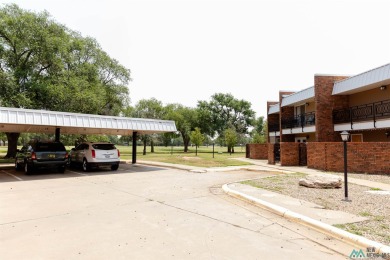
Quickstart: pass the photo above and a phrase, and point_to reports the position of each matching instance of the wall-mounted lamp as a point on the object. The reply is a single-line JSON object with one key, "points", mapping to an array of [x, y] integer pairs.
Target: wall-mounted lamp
{"points": [[307, 104], [387, 133], [383, 87]]}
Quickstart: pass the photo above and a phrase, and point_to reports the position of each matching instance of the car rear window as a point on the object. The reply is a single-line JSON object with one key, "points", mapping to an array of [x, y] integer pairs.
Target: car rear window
{"points": [[104, 146], [52, 147]]}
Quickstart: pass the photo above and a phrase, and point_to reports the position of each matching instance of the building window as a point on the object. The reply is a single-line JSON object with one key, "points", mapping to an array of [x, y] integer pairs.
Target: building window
{"points": [[356, 137]]}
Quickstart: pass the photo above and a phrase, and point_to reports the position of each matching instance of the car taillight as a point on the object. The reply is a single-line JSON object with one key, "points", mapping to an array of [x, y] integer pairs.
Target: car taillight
{"points": [[119, 153], [66, 155], [33, 156], [93, 153]]}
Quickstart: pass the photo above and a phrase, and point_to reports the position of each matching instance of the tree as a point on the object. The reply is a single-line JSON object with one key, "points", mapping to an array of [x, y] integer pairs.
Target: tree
{"points": [[230, 139], [224, 111], [259, 132], [148, 108], [3, 138], [197, 139], [258, 125], [257, 138], [44, 65], [186, 120]]}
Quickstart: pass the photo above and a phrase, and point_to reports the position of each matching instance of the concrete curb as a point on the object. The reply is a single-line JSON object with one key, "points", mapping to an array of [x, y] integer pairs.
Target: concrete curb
{"points": [[315, 224], [195, 169]]}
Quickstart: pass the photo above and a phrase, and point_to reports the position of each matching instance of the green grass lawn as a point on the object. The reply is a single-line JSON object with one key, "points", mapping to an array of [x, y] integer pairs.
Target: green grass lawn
{"points": [[163, 154], [204, 158]]}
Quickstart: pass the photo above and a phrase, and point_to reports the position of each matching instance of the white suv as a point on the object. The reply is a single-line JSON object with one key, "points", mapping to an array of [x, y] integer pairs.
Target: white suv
{"points": [[91, 154]]}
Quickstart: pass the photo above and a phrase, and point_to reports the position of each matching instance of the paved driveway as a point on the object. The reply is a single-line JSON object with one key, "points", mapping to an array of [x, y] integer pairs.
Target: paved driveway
{"points": [[142, 212]]}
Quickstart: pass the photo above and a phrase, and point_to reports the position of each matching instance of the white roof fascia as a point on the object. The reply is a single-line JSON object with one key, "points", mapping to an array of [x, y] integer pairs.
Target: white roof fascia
{"points": [[364, 81], [298, 97], [274, 109], [73, 122]]}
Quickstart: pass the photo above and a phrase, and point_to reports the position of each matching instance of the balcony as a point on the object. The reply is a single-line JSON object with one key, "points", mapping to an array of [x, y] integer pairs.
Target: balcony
{"points": [[303, 120], [273, 127], [367, 116], [304, 123]]}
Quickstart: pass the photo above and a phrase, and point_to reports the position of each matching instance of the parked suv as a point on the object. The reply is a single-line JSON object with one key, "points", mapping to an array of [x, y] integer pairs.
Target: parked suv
{"points": [[94, 154], [41, 154]]}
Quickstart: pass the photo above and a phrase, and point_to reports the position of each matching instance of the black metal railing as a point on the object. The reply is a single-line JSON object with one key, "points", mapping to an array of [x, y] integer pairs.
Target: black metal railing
{"points": [[366, 112], [299, 121], [273, 127]]}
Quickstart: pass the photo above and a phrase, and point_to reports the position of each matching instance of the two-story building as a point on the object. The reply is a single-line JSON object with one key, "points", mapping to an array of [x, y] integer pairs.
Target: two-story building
{"points": [[359, 104]]}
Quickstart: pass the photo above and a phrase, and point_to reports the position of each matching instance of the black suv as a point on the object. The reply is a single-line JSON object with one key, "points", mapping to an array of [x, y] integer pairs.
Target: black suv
{"points": [[41, 154]]}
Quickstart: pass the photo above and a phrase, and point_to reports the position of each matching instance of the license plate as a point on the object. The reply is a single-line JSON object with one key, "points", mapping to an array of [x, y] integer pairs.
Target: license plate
{"points": [[51, 156]]}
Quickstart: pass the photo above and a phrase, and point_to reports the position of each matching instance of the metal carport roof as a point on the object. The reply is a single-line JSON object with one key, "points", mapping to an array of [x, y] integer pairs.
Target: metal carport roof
{"points": [[43, 121]]}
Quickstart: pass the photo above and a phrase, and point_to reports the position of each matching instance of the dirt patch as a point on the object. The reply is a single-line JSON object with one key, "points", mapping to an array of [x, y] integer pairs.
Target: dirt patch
{"points": [[186, 158]]}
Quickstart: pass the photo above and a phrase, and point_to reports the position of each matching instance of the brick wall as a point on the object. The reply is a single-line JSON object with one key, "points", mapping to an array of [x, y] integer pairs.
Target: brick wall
{"points": [[368, 157], [258, 151], [271, 158], [272, 119], [325, 103], [285, 112], [289, 154]]}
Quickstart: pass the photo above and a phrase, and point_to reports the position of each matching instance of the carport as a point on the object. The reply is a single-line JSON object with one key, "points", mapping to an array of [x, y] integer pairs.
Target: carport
{"points": [[42, 121]]}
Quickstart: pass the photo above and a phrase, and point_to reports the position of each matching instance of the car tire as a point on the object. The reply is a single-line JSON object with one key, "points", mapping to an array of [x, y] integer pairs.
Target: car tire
{"points": [[69, 163], [28, 169], [17, 165], [86, 166], [61, 169], [114, 167]]}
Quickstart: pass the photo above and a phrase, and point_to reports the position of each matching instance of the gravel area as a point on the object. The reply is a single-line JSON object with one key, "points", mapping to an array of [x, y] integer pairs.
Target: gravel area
{"points": [[372, 206], [365, 176]]}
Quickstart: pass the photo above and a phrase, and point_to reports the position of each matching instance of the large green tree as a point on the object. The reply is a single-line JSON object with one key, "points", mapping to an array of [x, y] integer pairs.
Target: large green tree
{"points": [[224, 111], [186, 120], [148, 108], [44, 65]]}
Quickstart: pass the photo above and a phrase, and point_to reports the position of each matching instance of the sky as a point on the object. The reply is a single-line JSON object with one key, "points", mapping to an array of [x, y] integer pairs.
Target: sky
{"points": [[185, 51]]}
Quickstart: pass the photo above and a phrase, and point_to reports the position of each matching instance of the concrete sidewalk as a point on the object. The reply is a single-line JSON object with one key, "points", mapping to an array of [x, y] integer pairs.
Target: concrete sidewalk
{"points": [[299, 211]]}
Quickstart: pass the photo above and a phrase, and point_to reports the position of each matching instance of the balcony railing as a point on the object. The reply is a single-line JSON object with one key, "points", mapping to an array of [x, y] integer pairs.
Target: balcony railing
{"points": [[299, 121], [273, 127], [366, 112]]}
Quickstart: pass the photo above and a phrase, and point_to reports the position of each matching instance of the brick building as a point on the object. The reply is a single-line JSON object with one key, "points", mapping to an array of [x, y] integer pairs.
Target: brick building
{"points": [[359, 104]]}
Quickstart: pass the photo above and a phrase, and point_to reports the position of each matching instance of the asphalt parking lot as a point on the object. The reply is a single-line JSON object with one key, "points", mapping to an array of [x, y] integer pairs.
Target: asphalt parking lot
{"points": [[143, 212]]}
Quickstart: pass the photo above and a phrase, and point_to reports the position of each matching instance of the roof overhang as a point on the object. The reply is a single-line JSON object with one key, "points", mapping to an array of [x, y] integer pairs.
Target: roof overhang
{"points": [[368, 80], [299, 97], [42, 121], [274, 109]]}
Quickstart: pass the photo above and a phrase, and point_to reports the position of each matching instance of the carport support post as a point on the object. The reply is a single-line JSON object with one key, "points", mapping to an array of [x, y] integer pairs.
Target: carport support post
{"points": [[134, 154], [58, 131]]}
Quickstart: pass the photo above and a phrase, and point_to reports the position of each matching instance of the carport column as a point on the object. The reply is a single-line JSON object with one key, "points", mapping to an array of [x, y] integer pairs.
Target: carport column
{"points": [[58, 131], [134, 154]]}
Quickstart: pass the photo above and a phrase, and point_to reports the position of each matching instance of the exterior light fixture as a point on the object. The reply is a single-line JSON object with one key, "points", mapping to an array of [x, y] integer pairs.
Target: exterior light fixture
{"points": [[345, 137], [383, 87]]}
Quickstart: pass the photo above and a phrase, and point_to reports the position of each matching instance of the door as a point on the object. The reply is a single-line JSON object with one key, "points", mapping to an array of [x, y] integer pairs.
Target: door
{"points": [[302, 154], [277, 152]]}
